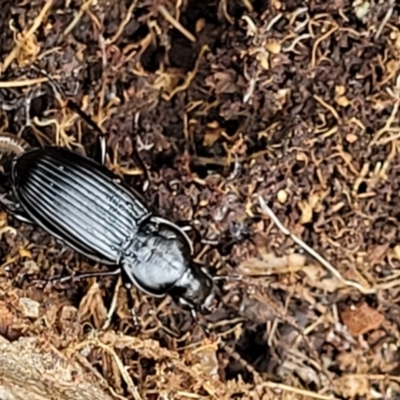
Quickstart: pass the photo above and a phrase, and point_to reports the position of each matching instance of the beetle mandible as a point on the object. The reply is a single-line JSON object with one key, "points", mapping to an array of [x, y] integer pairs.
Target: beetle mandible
{"points": [[83, 204]]}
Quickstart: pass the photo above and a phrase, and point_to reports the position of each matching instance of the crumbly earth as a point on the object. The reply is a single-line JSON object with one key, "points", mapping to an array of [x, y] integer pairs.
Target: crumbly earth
{"points": [[224, 102]]}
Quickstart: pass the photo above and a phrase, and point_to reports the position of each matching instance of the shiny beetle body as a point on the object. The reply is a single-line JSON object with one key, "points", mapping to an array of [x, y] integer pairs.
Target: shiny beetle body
{"points": [[87, 207]]}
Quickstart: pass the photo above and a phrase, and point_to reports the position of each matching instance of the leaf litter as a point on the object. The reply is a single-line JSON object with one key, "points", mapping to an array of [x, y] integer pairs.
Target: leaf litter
{"points": [[271, 128]]}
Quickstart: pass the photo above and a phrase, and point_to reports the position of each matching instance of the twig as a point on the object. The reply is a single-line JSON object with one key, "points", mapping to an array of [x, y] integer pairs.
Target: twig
{"points": [[301, 392], [374, 377], [310, 251], [23, 83], [189, 77], [317, 42], [273, 22], [390, 138], [176, 24], [328, 107], [124, 373], [78, 16], [296, 13], [386, 128], [248, 5], [297, 40], [224, 7], [385, 19], [124, 22], [251, 27]]}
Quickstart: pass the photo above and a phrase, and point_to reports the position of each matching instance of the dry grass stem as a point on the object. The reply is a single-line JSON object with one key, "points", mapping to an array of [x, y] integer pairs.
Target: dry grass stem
{"points": [[26, 36], [176, 24], [267, 210]]}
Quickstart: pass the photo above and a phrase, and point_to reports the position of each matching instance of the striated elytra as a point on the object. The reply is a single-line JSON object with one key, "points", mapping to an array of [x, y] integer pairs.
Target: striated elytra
{"points": [[86, 206]]}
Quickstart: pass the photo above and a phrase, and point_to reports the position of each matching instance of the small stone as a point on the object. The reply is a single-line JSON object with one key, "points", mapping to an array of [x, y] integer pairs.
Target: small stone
{"points": [[351, 137], [29, 307], [274, 47], [282, 196]]}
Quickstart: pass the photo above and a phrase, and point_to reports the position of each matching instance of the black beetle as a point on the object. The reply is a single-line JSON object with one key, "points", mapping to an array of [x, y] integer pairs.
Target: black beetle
{"points": [[90, 209]]}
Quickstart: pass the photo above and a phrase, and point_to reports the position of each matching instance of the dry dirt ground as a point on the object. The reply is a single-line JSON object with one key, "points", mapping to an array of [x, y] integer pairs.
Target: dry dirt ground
{"points": [[226, 102]]}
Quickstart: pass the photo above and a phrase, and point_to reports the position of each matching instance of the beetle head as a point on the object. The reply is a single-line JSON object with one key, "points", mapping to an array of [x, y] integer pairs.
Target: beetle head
{"points": [[195, 290]]}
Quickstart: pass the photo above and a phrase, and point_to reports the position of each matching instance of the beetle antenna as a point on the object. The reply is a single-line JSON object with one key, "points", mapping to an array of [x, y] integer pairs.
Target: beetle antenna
{"points": [[61, 94], [196, 319], [135, 152], [75, 108], [57, 89], [77, 277]]}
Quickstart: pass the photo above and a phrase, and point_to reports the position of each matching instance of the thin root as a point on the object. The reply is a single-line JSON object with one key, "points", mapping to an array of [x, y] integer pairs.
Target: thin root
{"points": [[266, 210]]}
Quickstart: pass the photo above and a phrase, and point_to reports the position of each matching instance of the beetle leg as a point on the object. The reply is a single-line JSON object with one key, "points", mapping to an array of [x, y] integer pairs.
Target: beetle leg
{"points": [[101, 149], [135, 154], [113, 305], [132, 309], [101, 144], [84, 276], [22, 218], [76, 277], [6, 202], [131, 301], [14, 209], [33, 94]]}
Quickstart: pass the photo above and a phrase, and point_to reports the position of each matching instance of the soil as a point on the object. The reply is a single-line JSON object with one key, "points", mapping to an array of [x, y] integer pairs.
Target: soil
{"points": [[224, 102]]}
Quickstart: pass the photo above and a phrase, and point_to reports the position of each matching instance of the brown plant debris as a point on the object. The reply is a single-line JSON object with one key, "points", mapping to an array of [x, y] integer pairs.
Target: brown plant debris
{"points": [[361, 319], [272, 129]]}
